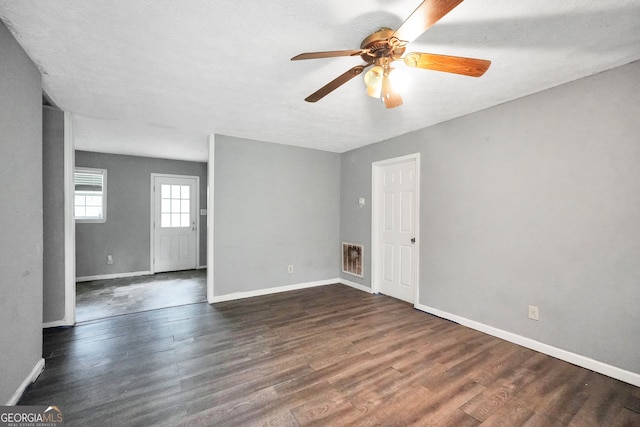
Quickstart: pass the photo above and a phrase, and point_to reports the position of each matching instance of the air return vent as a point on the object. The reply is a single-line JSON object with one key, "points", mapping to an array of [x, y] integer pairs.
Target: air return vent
{"points": [[352, 259]]}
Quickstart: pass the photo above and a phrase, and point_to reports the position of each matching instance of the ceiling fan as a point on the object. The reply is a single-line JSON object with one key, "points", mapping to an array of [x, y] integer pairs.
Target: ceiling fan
{"points": [[385, 46]]}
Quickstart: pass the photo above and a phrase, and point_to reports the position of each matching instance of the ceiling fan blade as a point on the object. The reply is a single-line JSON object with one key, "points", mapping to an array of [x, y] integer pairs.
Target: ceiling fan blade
{"points": [[449, 64], [389, 97], [328, 54], [335, 83], [428, 13]]}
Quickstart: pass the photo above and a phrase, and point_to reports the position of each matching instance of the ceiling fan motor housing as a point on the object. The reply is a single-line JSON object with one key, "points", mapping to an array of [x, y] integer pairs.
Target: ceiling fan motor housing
{"points": [[377, 45]]}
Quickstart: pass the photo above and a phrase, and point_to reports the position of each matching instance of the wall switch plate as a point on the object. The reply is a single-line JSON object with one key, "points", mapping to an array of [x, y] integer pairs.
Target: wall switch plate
{"points": [[533, 312], [290, 269]]}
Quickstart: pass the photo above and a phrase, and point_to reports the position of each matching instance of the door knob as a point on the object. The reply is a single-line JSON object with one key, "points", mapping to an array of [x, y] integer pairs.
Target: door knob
{"points": [[413, 240]]}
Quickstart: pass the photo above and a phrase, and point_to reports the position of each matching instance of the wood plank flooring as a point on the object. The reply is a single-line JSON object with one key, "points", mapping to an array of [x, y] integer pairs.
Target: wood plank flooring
{"points": [[330, 356], [102, 298]]}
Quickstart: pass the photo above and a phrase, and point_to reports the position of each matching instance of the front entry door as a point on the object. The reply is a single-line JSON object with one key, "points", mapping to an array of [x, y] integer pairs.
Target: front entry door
{"points": [[395, 222], [175, 228]]}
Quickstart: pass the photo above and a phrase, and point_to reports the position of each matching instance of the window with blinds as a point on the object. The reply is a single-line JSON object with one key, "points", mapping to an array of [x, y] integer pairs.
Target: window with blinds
{"points": [[90, 203]]}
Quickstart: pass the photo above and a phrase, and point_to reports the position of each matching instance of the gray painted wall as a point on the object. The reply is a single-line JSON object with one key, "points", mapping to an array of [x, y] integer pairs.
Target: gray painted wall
{"points": [[275, 205], [126, 233], [53, 218], [536, 202], [20, 215]]}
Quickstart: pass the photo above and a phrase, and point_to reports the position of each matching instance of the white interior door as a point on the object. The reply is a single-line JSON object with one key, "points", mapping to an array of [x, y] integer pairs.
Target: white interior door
{"points": [[395, 224], [175, 227]]}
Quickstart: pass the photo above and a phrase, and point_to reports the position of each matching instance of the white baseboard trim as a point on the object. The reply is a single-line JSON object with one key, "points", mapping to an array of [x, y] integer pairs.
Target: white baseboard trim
{"points": [[35, 373], [356, 285], [112, 276], [558, 353], [268, 291]]}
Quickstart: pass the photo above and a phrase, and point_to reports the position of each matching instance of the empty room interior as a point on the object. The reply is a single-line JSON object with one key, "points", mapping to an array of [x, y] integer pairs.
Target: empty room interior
{"points": [[384, 236]]}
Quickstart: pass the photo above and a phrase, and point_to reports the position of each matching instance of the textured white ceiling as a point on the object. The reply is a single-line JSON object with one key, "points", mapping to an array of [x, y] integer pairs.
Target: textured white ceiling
{"points": [[155, 77]]}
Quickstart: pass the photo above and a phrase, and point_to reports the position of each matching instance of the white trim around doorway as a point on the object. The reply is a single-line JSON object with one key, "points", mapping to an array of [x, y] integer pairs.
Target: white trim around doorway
{"points": [[210, 220], [69, 226]]}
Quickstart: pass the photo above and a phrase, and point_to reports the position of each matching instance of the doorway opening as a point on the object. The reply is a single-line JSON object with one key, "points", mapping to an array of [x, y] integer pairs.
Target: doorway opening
{"points": [[70, 276]]}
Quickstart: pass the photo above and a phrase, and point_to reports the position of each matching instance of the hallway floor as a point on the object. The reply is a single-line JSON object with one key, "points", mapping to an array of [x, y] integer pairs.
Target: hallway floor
{"points": [[105, 298]]}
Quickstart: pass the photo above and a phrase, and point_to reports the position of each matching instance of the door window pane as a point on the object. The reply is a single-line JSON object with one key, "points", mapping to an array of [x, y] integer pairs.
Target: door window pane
{"points": [[184, 220], [166, 191], [175, 206], [166, 220]]}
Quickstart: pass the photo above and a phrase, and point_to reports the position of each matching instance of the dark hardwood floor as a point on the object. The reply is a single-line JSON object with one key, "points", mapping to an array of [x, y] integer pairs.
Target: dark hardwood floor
{"points": [[102, 298], [330, 355]]}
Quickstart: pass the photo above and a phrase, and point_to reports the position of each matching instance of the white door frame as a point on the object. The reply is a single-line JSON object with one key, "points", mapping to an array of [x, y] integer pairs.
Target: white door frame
{"points": [[152, 266], [69, 226], [376, 168], [210, 219]]}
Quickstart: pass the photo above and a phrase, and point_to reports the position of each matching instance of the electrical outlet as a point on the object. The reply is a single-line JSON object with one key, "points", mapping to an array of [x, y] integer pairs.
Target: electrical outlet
{"points": [[533, 312], [290, 269], [109, 259]]}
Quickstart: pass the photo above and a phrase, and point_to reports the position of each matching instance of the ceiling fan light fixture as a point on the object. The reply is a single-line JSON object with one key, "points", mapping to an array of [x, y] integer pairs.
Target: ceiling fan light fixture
{"points": [[399, 79], [373, 80]]}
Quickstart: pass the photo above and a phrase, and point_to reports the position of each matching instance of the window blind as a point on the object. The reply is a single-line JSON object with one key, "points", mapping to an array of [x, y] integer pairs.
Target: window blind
{"points": [[89, 181]]}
